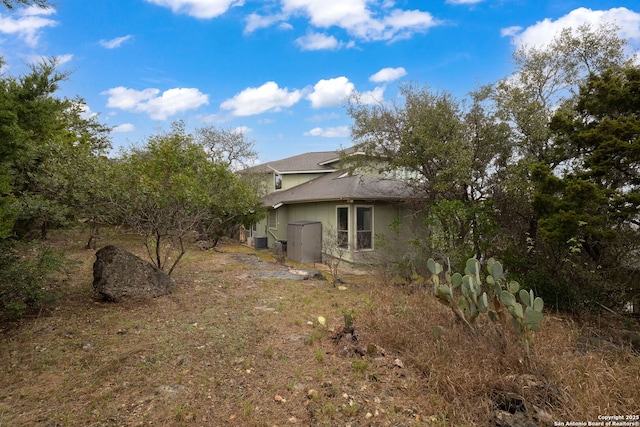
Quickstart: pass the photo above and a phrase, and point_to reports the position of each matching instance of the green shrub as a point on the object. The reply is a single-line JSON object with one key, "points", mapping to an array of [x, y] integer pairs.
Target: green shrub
{"points": [[26, 276], [567, 287]]}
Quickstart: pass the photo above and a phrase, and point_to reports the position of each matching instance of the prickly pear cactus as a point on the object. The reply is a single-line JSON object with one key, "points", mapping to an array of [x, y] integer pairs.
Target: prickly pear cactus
{"points": [[525, 308], [467, 299], [527, 312], [471, 300]]}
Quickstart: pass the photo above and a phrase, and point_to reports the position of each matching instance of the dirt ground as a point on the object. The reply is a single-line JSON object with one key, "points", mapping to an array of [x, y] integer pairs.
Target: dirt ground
{"points": [[240, 342], [246, 341]]}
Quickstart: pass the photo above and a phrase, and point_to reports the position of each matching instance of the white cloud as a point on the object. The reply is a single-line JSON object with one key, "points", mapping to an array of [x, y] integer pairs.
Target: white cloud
{"points": [[85, 111], [374, 96], [285, 26], [174, 101], [63, 59], [255, 22], [39, 59], [331, 132], [336, 92], [360, 20], [257, 100], [203, 9], [510, 31], [388, 75], [157, 106], [128, 99], [403, 23], [242, 130], [317, 41], [331, 92], [114, 43], [323, 117], [28, 24], [544, 31], [342, 13], [125, 127]]}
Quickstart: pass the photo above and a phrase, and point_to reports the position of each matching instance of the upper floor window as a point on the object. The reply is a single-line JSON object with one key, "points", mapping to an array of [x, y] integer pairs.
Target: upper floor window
{"points": [[277, 180]]}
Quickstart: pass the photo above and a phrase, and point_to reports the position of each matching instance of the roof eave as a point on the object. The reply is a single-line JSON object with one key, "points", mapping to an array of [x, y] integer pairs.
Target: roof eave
{"points": [[337, 159], [307, 171], [336, 199]]}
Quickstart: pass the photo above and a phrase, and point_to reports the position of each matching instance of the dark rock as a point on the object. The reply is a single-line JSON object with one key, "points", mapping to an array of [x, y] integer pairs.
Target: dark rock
{"points": [[511, 410], [508, 419], [205, 245], [119, 274], [509, 402]]}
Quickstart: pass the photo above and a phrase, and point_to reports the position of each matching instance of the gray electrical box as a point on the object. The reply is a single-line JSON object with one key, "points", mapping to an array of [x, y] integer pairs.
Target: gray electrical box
{"points": [[304, 241], [260, 242]]}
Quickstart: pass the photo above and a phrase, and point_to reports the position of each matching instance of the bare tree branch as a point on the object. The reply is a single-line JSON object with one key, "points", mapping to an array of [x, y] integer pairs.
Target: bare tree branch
{"points": [[10, 4]]}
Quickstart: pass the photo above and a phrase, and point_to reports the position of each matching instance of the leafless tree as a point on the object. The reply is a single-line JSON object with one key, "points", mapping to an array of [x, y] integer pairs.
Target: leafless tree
{"points": [[10, 4], [229, 146], [335, 247]]}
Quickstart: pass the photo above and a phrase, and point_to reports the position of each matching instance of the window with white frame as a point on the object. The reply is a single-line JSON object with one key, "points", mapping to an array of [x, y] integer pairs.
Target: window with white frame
{"points": [[364, 227], [342, 226], [277, 181], [273, 219]]}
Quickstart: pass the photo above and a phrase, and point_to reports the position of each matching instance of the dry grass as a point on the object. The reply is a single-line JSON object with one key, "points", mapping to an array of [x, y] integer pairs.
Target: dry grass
{"points": [[230, 347], [465, 376]]}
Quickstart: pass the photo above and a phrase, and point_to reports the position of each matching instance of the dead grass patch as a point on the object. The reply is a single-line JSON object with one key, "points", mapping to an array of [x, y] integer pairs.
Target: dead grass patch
{"points": [[468, 377], [228, 348]]}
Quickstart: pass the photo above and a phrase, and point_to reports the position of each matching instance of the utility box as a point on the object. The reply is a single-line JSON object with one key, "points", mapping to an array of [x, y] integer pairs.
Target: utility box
{"points": [[304, 241], [260, 242]]}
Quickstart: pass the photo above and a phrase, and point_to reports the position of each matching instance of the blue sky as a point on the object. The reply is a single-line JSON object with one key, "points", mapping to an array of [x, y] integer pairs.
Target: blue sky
{"points": [[279, 70]]}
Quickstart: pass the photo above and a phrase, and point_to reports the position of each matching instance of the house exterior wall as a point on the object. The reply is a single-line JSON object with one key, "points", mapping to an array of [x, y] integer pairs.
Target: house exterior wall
{"points": [[326, 213], [289, 181], [321, 212], [351, 249], [268, 181]]}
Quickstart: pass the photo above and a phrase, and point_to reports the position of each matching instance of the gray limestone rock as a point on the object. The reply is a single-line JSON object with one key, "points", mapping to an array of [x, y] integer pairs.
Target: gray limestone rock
{"points": [[118, 274]]}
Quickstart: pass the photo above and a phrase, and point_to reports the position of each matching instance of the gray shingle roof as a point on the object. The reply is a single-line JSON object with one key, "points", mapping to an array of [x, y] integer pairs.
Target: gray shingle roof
{"points": [[308, 162], [338, 186], [320, 161]]}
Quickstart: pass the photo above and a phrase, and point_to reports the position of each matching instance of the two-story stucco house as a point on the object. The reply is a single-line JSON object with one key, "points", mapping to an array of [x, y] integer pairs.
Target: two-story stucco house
{"points": [[311, 190]]}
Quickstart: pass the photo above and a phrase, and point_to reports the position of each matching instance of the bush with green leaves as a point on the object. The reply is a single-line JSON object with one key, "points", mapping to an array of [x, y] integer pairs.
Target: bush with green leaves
{"points": [[177, 192], [25, 281], [402, 251], [49, 150]]}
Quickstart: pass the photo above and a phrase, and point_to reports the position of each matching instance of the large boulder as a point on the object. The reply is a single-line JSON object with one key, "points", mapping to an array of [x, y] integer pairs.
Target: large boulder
{"points": [[119, 274]]}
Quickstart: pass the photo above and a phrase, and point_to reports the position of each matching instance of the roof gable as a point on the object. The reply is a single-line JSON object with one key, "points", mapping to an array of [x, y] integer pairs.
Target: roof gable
{"points": [[302, 163], [314, 162]]}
